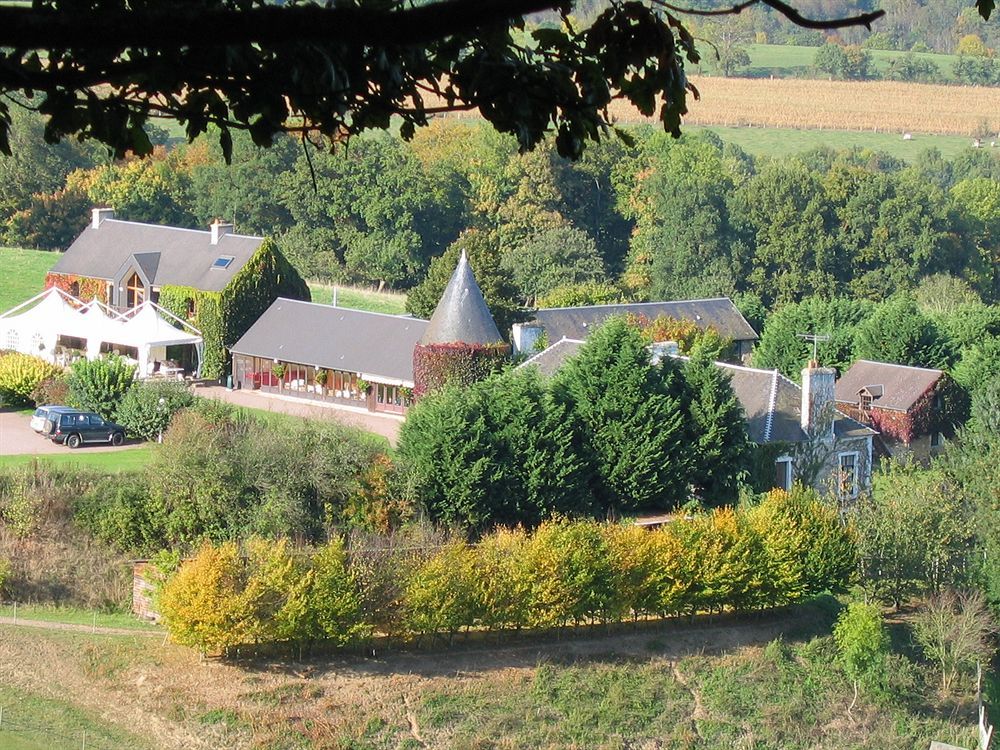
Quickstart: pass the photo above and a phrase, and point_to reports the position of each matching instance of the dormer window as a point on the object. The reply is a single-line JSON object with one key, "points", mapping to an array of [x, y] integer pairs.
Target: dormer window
{"points": [[223, 261], [866, 402]]}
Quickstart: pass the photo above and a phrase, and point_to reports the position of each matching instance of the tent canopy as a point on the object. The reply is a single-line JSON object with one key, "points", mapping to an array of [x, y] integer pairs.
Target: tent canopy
{"points": [[35, 326]]}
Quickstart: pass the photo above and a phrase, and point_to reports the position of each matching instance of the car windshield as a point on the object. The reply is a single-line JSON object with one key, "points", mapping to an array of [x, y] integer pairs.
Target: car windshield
{"points": [[39, 413]]}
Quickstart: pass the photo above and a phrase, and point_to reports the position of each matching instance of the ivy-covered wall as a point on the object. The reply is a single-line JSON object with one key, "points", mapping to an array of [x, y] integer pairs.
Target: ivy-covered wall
{"points": [[89, 288], [222, 317], [763, 470], [437, 364]]}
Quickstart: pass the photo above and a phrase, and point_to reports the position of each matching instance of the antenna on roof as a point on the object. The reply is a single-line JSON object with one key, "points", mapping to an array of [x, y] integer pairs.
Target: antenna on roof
{"points": [[815, 338]]}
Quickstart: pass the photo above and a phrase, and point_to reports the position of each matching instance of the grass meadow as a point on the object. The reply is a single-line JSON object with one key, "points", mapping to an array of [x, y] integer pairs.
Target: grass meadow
{"points": [[22, 274], [358, 298], [131, 459]]}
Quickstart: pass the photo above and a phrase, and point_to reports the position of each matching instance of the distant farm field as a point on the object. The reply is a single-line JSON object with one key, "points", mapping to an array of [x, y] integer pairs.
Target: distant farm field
{"points": [[866, 106], [789, 61], [779, 142], [358, 298], [22, 274]]}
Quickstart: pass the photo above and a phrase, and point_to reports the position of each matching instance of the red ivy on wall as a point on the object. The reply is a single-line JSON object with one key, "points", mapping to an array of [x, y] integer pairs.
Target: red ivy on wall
{"points": [[922, 418], [437, 364], [88, 288]]}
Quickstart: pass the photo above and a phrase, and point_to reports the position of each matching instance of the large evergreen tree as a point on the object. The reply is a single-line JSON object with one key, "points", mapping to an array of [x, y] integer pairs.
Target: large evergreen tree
{"points": [[633, 422], [898, 332], [501, 451], [723, 449]]}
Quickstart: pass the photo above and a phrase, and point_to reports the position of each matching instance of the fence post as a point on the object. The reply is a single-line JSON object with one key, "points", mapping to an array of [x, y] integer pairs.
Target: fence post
{"points": [[1, 717], [84, 745], [15, 613]]}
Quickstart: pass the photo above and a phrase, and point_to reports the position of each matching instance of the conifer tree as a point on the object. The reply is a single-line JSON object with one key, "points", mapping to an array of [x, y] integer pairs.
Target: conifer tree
{"points": [[633, 425], [723, 449]]}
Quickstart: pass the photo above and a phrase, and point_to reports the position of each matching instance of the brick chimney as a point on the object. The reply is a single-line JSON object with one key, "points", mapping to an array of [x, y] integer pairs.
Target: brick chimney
{"points": [[97, 215], [219, 230], [818, 400]]}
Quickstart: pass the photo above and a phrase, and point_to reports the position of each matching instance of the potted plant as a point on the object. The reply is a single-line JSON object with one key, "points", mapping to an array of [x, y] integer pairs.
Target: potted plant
{"points": [[321, 378], [407, 395], [279, 373], [363, 386]]}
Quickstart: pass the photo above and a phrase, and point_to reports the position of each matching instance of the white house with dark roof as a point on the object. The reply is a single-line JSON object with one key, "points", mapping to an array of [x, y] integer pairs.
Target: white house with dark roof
{"points": [[216, 280], [134, 259]]}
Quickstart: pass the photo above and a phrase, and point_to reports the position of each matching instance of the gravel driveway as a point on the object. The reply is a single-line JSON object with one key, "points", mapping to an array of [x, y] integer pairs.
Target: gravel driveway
{"points": [[18, 439]]}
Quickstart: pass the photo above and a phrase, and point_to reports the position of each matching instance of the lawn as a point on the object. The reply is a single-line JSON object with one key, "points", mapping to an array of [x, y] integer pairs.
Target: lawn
{"points": [[779, 142], [76, 616], [358, 298], [23, 273], [132, 459], [34, 722]]}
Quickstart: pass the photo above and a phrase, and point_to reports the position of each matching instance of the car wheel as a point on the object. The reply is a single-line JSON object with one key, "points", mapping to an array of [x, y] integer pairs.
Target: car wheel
{"points": [[117, 438], [74, 441]]}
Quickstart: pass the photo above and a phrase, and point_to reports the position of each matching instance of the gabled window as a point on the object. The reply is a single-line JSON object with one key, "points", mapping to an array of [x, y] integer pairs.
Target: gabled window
{"points": [[135, 292], [223, 261], [865, 402]]}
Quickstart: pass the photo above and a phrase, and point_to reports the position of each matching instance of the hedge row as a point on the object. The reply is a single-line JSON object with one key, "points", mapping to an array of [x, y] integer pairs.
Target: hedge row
{"points": [[786, 548]]}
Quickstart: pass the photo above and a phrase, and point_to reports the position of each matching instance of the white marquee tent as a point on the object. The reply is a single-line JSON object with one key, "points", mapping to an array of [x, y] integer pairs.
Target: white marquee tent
{"points": [[35, 327]]}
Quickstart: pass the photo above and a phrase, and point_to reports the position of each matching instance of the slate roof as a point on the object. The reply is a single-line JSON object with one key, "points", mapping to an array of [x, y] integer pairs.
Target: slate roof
{"points": [[895, 387], [461, 315], [167, 255], [548, 361], [578, 322], [771, 402], [773, 407], [377, 345]]}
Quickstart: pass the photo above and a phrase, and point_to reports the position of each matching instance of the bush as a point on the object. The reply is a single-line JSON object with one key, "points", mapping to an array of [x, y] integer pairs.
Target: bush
{"points": [[51, 391], [5, 574], [566, 573], [148, 407], [20, 374], [99, 385], [862, 641], [955, 631]]}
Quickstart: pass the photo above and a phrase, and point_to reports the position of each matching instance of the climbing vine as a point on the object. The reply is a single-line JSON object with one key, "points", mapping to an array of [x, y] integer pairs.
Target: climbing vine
{"points": [[87, 288], [437, 364], [222, 317]]}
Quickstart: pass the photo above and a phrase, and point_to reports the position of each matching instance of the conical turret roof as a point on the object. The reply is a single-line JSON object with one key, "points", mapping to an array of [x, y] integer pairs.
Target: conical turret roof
{"points": [[461, 316]]}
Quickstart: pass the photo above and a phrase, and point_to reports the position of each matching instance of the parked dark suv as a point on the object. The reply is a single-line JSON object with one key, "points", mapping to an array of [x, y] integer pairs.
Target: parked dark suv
{"points": [[85, 427]]}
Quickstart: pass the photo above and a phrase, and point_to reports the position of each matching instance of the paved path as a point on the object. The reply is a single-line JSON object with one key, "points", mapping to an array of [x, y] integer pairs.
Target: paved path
{"points": [[18, 439], [381, 424]]}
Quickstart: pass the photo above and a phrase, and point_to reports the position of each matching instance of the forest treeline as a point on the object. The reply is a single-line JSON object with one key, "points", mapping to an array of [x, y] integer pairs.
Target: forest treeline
{"points": [[658, 219]]}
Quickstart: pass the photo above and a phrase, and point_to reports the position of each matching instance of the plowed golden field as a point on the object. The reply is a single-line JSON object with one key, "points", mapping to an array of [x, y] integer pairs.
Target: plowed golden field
{"points": [[877, 106]]}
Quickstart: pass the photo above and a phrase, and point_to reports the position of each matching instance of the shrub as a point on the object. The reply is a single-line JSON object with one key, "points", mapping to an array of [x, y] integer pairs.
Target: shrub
{"points": [[51, 391], [148, 407], [862, 642], [955, 631], [203, 604], [440, 596], [99, 385], [20, 374], [5, 574]]}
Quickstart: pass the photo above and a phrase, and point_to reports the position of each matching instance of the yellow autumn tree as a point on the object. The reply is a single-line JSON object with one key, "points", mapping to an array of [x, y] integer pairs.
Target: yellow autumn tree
{"points": [[503, 590], [203, 604], [441, 594]]}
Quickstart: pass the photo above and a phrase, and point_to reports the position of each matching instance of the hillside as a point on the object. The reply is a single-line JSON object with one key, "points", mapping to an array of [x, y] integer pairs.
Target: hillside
{"points": [[713, 684]]}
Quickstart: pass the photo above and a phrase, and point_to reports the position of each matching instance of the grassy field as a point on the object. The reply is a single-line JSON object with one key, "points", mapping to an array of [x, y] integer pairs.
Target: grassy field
{"points": [[75, 616], [789, 61], [133, 459], [778, 142], [869, 107], [766, 682], [358, 298], [32, 721], [23, 274]]}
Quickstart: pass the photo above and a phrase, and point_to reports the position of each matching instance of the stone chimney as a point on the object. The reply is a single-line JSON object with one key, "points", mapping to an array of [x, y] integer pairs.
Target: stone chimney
{"points": [[818, 406], [97, 215], [219, 230]]}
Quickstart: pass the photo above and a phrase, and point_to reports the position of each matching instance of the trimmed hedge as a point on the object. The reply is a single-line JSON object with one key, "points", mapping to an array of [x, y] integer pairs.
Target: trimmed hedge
{"points": [[778, 552]]}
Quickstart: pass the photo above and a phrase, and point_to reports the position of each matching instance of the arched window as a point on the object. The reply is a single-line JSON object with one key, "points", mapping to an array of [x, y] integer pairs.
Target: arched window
{"points": [[12, 340], [135, 292], [74, 289], [37, 343]]}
